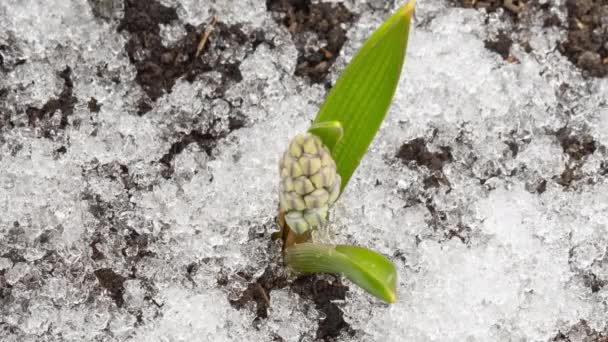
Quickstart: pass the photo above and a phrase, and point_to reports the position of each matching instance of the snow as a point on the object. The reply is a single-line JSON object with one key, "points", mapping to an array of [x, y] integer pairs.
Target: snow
{"points": [[520, 271]]}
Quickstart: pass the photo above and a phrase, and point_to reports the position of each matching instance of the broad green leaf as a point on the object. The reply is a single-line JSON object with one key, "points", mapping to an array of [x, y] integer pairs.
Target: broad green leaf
{"points": [[362, 95], [329, 132], [371, 271]]}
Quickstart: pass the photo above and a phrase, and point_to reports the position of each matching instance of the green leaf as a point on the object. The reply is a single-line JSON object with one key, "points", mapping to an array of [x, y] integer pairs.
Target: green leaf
{"points": [[329, 132], [362, 95], [371, 271]]}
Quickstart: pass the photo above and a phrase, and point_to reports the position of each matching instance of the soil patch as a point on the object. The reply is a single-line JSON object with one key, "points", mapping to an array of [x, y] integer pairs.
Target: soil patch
{"points": [[318, 31], [258, 291], [114, 239], [592, 281], [94, 105], [113, 283], [43, 117], [577, 147], [159, 66], [106, 9], [580, 331], [587, 42], [510, 7], [417, 152], [205, 140], [586, 45], [10, 55], [5, 117], [501, 44], [322, 290]]}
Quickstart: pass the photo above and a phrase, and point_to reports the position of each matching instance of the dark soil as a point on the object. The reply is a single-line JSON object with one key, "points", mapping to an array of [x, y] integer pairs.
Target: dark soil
{"points": [[205, 140], [324, 22], [592, 281], [58, 152], [10, 55], [323, 293], [64, 104], [316, 288], [448, 224], [569, 175], [552, 20], [5, 118], [115, 244], [461, 232], [106, 9], [113, 283], [501, 44], [511, 7], [259, 291], [580, 331], [416, 151], [93, 105], [587, 43], [212, 46], [541, 187], [516, 13], [158, 66], [577, 147], [5, 288]]}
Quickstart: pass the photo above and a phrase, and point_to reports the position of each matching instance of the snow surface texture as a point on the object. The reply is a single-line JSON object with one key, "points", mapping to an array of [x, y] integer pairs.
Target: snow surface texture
{"points": [[486, 185]]}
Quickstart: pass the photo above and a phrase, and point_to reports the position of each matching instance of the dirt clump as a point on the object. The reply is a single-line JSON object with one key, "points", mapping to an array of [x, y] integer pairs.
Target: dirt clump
{"points": [[324, 24], [581, 331], [113, 283], [416, 151], [322, 290], [159, 66], [64, 104], [501, 44], [587, 42]]}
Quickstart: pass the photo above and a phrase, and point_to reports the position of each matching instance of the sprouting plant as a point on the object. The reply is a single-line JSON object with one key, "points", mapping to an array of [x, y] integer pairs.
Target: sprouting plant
{"points": [[317, 165]]}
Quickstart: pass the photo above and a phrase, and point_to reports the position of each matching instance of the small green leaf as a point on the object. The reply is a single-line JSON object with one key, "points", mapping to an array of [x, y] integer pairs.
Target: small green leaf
{"points": [[362, 95], [371, 271], [329, 132]]}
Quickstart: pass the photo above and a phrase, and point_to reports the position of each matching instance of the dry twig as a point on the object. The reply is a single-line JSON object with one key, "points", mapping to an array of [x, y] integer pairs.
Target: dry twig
{"points": [[203, 42]]}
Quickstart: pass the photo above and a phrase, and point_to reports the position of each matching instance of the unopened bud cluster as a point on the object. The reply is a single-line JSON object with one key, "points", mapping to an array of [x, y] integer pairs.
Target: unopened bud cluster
{"points": [[309, 183]]}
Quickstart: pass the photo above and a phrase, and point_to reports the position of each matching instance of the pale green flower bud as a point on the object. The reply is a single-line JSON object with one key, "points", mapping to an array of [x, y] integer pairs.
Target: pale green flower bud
{"points": [[309, 183]]}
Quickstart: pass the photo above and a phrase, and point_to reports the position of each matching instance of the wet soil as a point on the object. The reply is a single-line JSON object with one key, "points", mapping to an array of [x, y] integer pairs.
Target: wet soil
{"points": [[587, 42], [209, 47], [577, 146], [501, 44], [94, 105], [323, 23], [322, 290], [205, 48], [63, 104], [416, 151], [586, 45], [491, 6], [113, 283], [116, 250], [580, 331], [206, 141]]}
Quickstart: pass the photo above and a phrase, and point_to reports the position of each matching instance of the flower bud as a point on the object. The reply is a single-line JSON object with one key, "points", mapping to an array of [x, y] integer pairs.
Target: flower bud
{"points": [[309, 183]]}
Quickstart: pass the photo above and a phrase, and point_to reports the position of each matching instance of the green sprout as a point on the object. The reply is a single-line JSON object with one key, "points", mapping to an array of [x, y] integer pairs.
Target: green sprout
{"points": [[317, 166]]}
